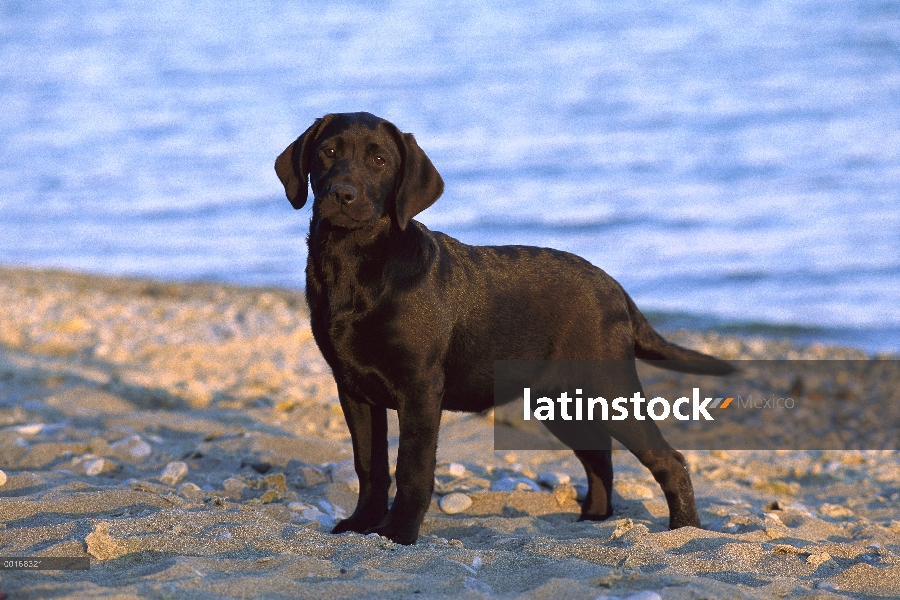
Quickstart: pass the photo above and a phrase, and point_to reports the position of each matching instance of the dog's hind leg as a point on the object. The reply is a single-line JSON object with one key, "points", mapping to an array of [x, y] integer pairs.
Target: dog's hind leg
{"points": [[593, 447], [671, 473], [668, 468], [597, 505], [368, 431], [643, 439]]}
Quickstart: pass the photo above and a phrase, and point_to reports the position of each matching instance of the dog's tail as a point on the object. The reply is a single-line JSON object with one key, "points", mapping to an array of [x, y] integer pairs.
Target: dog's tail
{"points": [[650, 345]]}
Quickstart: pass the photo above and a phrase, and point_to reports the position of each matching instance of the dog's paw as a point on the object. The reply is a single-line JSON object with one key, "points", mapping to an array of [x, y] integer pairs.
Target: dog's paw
{"points": [[687, 521], [399, 535], [593, 516], [353, 523]]}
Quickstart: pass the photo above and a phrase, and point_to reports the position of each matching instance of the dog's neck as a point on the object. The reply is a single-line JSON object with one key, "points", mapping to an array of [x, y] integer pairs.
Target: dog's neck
{"points": [[323, 233], [369, 260], [339, 249]]}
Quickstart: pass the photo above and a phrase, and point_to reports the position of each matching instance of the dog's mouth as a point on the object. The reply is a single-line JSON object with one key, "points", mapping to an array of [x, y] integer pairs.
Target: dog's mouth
{"points": [[346, 216]]}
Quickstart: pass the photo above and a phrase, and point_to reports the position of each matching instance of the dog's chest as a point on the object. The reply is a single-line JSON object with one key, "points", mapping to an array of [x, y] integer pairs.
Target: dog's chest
{"points": [[350, 327], [341, 316]]}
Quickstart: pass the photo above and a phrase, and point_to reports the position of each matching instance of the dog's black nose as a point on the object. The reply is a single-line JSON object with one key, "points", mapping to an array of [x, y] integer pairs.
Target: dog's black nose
{"points": [[345, 194]]}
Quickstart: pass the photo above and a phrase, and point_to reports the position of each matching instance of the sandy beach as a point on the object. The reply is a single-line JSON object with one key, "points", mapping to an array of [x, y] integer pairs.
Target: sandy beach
{"points": [[187, 440]]}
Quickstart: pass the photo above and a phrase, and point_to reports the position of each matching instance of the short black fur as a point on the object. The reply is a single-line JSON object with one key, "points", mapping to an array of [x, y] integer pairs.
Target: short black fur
{"points": [[412, 320]]}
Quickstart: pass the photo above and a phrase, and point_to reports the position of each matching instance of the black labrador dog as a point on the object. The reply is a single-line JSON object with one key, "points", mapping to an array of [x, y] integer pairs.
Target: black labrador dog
{"points": [[412, 320]]}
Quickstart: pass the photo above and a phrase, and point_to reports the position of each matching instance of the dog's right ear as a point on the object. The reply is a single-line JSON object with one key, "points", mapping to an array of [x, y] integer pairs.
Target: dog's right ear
{"points": [[292, 165]]}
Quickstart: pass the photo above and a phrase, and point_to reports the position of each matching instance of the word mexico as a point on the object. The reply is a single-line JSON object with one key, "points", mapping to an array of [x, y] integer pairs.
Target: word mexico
{"points": [[599, 408]]}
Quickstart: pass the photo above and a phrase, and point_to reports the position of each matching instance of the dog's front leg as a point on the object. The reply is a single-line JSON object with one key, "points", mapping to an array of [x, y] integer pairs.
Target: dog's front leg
{"points": [[368, 431], [416, 457]]}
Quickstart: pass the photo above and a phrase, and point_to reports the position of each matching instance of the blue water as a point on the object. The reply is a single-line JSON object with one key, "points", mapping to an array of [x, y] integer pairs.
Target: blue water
{"points": [[735, 165]]}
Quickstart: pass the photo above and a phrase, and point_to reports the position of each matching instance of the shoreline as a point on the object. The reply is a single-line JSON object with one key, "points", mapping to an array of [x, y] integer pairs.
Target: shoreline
{"points": [[681, 328], [186, 438]]}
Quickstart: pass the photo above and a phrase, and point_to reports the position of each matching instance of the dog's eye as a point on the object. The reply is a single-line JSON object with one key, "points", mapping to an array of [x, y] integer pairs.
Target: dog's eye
{"points": [[328, 152], [378, 160]]}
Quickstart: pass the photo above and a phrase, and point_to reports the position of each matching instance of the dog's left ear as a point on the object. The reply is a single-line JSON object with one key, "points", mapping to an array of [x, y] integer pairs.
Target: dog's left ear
{"points": [[292, 165], [419, 184]]}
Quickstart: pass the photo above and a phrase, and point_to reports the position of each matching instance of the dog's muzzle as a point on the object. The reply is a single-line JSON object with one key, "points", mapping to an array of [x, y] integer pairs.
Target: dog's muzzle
{"points": [[342, 193]]}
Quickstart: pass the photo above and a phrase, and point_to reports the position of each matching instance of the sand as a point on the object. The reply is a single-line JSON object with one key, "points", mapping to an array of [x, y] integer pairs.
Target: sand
{"points": [[186, 439]]}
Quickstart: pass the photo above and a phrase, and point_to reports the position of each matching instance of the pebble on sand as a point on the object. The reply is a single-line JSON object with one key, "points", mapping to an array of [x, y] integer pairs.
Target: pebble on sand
{"points": [[174, 472], [190, 490], [102, 546], [96, 466], [234, 486], [456, 469], [552, 480], [511, 484], [134, 446], [455, 503]]}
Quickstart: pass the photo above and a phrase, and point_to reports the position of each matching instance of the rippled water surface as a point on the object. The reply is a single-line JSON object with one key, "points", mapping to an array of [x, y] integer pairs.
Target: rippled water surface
{"points": [[734, 165]]}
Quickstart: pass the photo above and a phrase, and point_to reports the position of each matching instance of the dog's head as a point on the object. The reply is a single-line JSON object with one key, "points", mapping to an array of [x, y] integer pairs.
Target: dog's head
{"points": [[361, 168]]}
